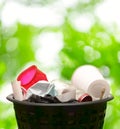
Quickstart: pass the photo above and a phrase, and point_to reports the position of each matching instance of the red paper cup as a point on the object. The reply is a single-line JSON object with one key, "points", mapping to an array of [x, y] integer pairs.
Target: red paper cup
{"points": [[30, 76]]}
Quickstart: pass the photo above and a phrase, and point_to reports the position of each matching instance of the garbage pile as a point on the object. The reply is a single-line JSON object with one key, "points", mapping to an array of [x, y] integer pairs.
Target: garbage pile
{"points": [[86, 84]]}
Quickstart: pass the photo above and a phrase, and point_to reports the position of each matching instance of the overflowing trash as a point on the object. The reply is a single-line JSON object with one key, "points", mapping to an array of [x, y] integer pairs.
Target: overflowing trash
{"points": [[87, 84]]}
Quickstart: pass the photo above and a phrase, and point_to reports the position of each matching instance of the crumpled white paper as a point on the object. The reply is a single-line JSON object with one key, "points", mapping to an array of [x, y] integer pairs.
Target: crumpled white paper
{"points": [[17, 91], [65, 92], [41, 88]]}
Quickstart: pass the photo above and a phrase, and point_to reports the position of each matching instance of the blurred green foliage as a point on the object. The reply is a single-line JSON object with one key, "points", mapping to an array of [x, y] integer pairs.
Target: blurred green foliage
{"points": [[15, 50], [7, 117], [99, 46]]}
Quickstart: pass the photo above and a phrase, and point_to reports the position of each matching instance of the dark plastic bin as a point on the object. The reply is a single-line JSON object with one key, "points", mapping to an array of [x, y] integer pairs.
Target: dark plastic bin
{"points": [[85, 115]]}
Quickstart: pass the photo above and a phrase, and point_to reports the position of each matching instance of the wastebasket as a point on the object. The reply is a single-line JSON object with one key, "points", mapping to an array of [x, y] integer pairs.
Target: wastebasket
{"points": [[84, 115]]}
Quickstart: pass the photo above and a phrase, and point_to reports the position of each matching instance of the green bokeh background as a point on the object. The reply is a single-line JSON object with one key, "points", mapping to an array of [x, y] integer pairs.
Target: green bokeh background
{"points": [[99, 46]]}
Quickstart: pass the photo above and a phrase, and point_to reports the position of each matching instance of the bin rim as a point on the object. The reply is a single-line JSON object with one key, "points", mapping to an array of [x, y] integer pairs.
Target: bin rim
{"points": [[10, 98]]}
